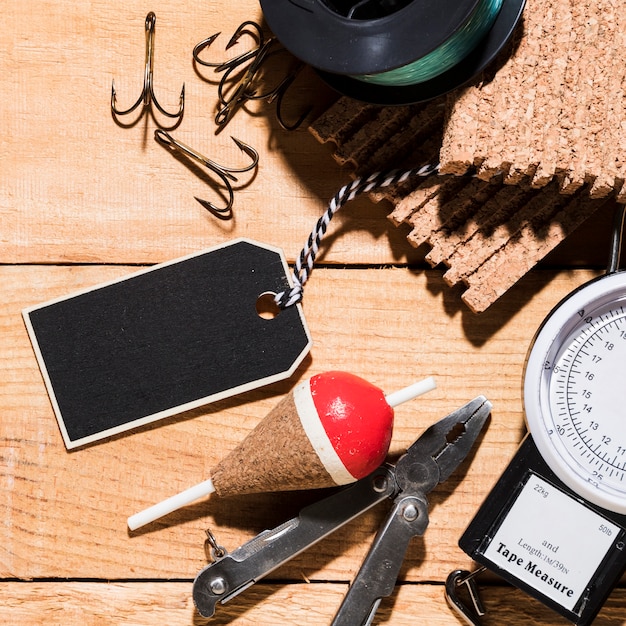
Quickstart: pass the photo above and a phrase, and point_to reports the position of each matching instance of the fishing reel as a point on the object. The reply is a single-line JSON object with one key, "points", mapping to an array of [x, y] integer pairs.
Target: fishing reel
{"points": [[394, 51]]}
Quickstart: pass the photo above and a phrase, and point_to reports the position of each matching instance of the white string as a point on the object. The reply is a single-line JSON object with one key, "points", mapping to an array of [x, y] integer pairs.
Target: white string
{"points": [[304, 263]]}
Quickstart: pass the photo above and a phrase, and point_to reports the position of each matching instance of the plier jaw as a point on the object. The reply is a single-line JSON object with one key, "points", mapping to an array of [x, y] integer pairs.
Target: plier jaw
{"points": [[427, 462], [441, 448]]}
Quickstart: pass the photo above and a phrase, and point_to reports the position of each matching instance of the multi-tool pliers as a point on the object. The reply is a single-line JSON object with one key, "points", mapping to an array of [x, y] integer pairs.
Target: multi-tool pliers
{"points": [[427, 462]]}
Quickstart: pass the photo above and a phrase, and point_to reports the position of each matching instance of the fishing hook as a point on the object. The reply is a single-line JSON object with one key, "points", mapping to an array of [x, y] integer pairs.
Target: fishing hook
{"points": [[277, 95], [147, 95], [235, 61], [242, 91], [226, 174]]}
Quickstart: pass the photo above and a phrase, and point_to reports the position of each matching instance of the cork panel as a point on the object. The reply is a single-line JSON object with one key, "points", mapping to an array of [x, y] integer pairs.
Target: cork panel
{"points": [[369, 138], [488, 235], [553, 108], [532, 242], [472, 222], [514, 209], [495, 205]]}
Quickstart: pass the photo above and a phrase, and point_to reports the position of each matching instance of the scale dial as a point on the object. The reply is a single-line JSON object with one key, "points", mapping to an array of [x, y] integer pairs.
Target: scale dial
{"points": [[575, 391]]}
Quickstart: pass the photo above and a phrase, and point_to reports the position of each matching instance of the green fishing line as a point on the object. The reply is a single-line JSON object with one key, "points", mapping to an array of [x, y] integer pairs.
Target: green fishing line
{"points": [[446, 56]]}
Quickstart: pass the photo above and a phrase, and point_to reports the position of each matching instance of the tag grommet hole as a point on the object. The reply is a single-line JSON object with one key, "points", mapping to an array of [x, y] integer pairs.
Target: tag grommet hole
{"points": [[266, 306]]}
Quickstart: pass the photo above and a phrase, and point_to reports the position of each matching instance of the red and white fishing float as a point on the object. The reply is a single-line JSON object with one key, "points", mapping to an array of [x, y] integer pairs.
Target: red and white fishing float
{"points": [[332, 429]]}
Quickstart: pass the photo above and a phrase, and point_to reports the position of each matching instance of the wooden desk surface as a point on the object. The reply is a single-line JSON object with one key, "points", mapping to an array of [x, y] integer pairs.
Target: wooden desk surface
{"points": [[84, 200]]}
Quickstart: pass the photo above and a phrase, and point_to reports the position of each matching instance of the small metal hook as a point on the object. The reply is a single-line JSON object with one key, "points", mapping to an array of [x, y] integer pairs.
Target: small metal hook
{"points": [[456, 579], [249, 63], [147, 95], [616, 238], [278, 93], [235, 61], [217, 551], [226, 174], [242, 91]]}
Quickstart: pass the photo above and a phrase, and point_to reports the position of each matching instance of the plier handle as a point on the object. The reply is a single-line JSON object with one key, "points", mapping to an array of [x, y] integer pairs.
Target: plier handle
{"points": [[427, 462]]}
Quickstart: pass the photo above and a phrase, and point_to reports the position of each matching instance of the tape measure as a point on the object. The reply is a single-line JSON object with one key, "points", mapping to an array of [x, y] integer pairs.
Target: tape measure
{"points": [[554, 524], [575, 392]]}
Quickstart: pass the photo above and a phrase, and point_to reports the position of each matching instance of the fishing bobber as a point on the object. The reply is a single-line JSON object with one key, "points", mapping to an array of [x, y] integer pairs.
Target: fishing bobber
{"points": [[332, 429]]}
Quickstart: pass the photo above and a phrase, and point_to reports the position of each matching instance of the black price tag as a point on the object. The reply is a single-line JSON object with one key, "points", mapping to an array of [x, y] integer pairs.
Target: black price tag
{"points": [[540, 536], [164, 340]]}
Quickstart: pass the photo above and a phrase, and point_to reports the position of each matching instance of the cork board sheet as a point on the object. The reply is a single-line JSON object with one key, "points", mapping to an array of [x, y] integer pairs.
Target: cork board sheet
{"points": [[486, 233], [543, 128], [555, 106]]}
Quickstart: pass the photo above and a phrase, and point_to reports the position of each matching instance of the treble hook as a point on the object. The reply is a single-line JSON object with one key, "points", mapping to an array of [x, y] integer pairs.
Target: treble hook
{"points": [[147, 95], [278, 93], [242, 91], [226, 174], [235, 61]]}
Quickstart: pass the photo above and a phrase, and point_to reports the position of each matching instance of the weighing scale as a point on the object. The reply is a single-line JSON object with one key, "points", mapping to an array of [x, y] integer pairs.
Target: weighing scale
{"points": [[554, 525]]}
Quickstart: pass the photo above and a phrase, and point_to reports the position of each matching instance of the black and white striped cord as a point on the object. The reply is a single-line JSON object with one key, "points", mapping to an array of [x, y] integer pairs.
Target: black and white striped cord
{"points": [[304, 263]]}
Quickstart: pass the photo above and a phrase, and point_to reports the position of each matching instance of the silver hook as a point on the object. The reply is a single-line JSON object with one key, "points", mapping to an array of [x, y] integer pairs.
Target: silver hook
{"points": [[456, 579], [616, 239], [226, 174], [217, 551], [147, 95]]}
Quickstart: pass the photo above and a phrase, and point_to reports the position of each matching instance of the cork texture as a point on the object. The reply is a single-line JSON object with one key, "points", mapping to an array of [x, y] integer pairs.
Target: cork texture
{"points": [[276, 456], [486, 232], [554, 109]]}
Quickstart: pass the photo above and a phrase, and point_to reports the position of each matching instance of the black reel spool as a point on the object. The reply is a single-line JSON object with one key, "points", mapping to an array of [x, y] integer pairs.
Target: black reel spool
{"points": [[344, 39]]}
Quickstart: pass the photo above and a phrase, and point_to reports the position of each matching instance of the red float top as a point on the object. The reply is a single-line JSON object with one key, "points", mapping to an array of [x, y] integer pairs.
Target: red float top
{"points": [[356, 417]]}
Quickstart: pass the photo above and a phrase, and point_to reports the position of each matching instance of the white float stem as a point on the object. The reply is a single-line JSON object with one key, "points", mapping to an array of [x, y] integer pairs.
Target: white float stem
{"points": [[171, 504], [412, 391]]}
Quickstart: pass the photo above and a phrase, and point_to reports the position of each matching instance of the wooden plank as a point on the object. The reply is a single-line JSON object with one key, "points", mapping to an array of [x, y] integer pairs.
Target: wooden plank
{"points": [[145, 604], [78, 187], [64, 513]]}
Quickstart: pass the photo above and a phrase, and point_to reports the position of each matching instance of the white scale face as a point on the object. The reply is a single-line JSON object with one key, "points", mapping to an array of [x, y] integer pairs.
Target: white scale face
{"points": [[575, 391]]}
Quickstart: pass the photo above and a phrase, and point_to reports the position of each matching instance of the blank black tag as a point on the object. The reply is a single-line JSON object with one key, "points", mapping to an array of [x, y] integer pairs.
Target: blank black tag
{"points": [[164, 340]]}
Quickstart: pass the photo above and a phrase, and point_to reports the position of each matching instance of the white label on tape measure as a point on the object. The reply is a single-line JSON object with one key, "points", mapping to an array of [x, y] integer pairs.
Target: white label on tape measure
{"points": [[551, 542]]}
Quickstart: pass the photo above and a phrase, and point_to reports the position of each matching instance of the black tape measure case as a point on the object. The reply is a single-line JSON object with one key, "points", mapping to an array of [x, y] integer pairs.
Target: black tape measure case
{"points": [[537, 534]]}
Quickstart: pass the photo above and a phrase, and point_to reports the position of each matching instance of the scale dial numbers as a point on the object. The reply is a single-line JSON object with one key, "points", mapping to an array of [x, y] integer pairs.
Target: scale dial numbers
{"points": [[575, 391], [588, 402]]}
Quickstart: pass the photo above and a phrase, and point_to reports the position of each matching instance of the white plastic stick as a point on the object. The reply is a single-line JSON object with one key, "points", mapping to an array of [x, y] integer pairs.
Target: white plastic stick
{"points": [[171, 504], [412, 391]]}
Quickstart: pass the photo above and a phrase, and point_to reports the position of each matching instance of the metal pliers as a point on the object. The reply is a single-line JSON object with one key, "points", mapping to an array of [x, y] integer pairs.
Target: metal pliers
{"points": [[428, 461]]}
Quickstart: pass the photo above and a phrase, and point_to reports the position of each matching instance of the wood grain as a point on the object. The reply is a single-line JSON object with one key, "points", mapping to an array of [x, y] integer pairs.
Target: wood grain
{"points": [[65, 511], [144, 604], [84, 200], [78, 187]]}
